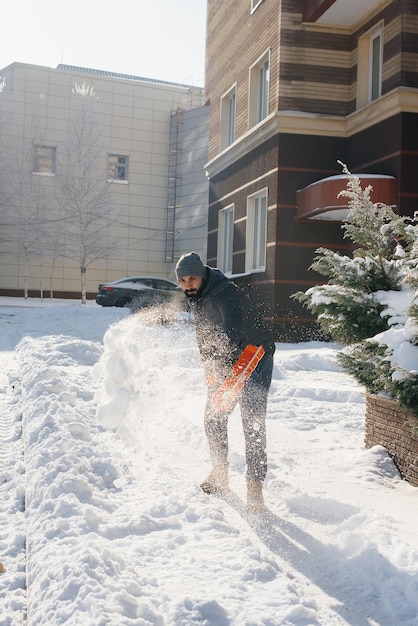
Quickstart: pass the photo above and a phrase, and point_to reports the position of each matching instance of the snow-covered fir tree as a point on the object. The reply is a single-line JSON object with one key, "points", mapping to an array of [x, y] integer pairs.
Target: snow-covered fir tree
{"points": [[370, 302]]}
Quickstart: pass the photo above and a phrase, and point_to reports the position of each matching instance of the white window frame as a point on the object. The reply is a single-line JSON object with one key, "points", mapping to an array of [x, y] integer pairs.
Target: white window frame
{"points": [[114, 167], [259, 89], [255, 4], [369, 65], [226, 239], [256, 234], [375, 67], [228, 117]]}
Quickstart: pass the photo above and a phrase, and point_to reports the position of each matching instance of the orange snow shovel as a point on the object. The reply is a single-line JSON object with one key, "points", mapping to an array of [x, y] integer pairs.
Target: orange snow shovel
{"points": [[246, 363]]}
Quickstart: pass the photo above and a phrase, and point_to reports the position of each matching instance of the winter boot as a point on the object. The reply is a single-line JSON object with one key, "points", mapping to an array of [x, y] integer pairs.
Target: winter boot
{"points": [[217, 481], [255, 502]]}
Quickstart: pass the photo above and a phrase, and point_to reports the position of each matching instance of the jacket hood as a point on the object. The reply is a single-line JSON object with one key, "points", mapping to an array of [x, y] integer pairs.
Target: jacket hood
{"points": [[215, 278]]}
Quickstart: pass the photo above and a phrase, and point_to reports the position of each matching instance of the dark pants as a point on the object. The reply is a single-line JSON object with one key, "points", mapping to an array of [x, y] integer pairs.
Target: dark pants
{"points": [[253, 405]]}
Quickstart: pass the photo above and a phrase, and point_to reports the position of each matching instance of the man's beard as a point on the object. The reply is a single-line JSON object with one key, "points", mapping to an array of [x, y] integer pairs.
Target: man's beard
{"points": [[191, 294], [194, 294]]}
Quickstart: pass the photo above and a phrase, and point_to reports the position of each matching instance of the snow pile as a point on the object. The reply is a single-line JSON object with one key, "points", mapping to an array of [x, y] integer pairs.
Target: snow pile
{"points": [[107, 526], [401, 337]]}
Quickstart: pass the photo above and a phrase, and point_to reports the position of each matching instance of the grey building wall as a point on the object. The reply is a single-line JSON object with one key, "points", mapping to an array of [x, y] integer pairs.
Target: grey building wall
{"points": [[188, 182]]}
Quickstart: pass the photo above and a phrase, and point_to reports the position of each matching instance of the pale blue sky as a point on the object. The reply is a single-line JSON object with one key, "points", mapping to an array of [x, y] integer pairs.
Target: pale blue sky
{"points": [[161, 39]]}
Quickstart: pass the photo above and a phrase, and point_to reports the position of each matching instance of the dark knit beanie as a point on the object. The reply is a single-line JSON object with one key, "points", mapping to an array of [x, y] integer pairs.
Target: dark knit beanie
{"points": [[190, 264]]}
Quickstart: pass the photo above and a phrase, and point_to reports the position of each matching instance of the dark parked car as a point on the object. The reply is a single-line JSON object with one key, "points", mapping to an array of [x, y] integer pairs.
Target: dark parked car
{"points": [[137, 292]]}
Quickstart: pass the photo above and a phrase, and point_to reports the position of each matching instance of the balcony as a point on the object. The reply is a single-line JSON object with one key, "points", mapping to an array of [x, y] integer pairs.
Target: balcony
{"points": [[337, 12], [320, 201]]}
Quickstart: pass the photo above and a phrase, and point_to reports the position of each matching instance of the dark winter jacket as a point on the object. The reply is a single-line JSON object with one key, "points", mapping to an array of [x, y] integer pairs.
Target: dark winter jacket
{"points": [[226, 321]]}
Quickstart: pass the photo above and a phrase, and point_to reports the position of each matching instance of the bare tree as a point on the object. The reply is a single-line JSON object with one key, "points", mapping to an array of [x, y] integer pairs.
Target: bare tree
{"points": [[22, 210], [26, 200], [5, 199], [84, 195], [64, 209], [48, 228]]}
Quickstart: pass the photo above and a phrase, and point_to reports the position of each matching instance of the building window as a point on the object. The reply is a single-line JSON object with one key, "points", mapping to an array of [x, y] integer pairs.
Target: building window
{"points": [[117, 170], [228, 102], [255, 4], [369, 66], [375, 83], [259, 89], [226, 239], [44, 159], [256, 238]]}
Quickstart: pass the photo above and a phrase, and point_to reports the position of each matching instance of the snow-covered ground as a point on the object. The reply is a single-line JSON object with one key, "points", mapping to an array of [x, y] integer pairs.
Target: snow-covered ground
{"points": [[102, 522]]}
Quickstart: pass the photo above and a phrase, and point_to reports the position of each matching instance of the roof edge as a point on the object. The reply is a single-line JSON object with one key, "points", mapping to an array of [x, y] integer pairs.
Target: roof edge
{"points": [[105, 73]]}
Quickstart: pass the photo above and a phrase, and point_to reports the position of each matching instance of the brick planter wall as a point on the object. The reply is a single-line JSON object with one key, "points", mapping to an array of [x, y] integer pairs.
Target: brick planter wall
{"points": [[394, 428]]}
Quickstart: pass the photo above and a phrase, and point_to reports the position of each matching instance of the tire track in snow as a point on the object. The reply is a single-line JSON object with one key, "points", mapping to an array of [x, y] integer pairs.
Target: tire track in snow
{"points": [[12, 545], [10, 431]]}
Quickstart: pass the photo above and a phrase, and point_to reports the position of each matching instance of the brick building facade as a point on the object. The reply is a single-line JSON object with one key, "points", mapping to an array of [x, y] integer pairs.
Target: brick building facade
{"points": [[294, 87]]}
